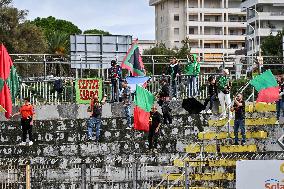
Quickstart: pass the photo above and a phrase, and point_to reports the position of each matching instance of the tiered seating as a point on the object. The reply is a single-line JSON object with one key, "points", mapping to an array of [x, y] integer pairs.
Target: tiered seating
{"points": [[212, 143]]}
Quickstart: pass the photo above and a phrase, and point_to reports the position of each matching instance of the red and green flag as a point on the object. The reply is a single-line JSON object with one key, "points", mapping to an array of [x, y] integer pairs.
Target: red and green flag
{"points": [[144, 101], [267, 87], [9, 82], [133, 61]]}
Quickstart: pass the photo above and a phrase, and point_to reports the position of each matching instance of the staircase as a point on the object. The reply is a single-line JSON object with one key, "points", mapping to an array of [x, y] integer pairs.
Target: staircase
{"points": [[210, 160]]}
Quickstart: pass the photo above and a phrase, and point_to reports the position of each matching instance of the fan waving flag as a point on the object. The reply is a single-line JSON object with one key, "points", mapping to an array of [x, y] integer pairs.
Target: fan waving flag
{"points": [[9, 83], [144, 101], [267, 87], [133, 61]]}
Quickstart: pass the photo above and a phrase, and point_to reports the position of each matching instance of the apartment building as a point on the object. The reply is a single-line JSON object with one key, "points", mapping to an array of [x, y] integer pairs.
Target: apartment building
{"points": [[213, 27], [264, 17]]}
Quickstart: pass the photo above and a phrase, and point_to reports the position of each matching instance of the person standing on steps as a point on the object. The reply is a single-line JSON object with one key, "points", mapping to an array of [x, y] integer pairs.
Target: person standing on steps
{"points": [[154, 127], [212, 91], [115, 75], [126, 100], [28, 115], [95, 109], [164, 97], [174, 71], [192, 70], [239, 108], [224, 86]]}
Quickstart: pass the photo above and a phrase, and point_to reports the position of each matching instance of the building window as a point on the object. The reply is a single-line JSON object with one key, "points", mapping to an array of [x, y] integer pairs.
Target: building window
{"points": [[206, 45], [176, 42], [161, 19], [176, 3], [176, 31], [162, 6], [176, 17], [233, 46], [190, 30]]}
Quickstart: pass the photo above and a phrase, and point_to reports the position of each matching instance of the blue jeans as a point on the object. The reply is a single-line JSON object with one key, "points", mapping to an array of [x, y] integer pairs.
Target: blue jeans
{"points": [[192, 85], [174, 88], [90, 123], [114, 89], [211, 100], [279, 107], [239, 123], [127, 114]]}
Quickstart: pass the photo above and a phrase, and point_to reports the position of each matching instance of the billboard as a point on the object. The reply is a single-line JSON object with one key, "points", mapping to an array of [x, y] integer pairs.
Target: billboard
{"points": [[86, 89], [96, 51], [260, 174]]}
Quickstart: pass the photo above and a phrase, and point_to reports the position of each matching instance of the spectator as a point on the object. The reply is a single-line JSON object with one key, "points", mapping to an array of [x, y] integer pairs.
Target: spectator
{"points": [[115, 74], [164, 102], [95, 119], [279, 103], [212, 92], [192, 70], [154, 126], [224, 87], [174, 71], [28, 114], [239, 108], [126, 99]]}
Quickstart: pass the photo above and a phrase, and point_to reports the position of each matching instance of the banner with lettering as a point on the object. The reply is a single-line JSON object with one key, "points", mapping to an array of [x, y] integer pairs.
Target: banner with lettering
{"points": [[87, 88]]}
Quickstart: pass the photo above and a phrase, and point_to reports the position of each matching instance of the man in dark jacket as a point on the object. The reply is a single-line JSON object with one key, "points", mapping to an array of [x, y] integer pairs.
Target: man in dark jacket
{"points": [[212, 94], [95, 110], [115, 77], [174, 71], [154, 123]]}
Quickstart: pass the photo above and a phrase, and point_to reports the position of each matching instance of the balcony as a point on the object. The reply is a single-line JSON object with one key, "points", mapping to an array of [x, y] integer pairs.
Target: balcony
{"points": [[215, 10], [212, 50], [217, 24], [266, 16], [216, 37], [154, 2]]}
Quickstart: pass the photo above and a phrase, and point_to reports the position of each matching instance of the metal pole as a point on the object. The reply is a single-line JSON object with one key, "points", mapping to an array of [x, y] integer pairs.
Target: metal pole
{"points": [[44, 62], [134, 175], [28, 175], [186, 165], [83, 174]]}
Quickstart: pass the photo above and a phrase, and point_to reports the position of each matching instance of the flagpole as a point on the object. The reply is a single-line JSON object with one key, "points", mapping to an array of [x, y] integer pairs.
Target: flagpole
{"points": [[2, 109]]}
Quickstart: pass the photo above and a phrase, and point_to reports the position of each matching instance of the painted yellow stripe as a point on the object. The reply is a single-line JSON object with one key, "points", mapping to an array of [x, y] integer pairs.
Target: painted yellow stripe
{"points": [[248, 122], [223, 149], [258, 107], [224, 135], [202, 177], [211, 163]]}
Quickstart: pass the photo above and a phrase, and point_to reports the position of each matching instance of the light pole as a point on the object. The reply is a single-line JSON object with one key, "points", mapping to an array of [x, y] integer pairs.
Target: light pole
{"points": [[252, 55], [249, 8]]}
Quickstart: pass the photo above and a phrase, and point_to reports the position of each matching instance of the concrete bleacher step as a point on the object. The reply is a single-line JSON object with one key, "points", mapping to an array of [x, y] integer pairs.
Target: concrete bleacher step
{"points": [[210, 163], [211, 148], [201, 177], [223, 135], [248, 122]]}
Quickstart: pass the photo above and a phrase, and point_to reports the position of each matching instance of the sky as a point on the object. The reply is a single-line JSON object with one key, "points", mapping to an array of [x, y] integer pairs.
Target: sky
{"points": [[123, 17]]}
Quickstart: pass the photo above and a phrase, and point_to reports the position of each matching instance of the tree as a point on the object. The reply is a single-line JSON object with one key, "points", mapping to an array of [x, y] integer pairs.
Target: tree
{"points": [[96, 31], [51, 24], [58, 42], [18, 35], [272, 46]]}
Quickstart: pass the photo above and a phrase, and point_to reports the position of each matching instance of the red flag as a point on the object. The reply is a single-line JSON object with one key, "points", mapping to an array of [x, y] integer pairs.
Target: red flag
{"points": [[5, 71], [6, 101]]}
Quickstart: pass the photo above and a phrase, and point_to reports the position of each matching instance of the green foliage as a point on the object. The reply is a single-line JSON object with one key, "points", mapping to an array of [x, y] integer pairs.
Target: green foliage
{"points": [[96, 31], [51, 24], [160, 49], [272, 45], [18, 35], [58, 42]]}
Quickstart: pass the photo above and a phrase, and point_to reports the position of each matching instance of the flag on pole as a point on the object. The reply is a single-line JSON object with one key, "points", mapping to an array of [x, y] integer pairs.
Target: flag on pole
{"points": [[133, 60], [144, 101], [267, 87], [9, 82], [2, 109]]}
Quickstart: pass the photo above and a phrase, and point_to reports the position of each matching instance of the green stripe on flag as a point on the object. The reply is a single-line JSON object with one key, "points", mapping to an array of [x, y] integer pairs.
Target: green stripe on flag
{"points": [[134, 47], [13, 83], [263, 81], [1, 84], [144, 99]]}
